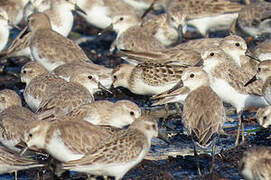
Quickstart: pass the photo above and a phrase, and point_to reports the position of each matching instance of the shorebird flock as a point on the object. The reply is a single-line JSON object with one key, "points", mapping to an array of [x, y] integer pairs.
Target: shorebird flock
{"points": [[154, 38]]}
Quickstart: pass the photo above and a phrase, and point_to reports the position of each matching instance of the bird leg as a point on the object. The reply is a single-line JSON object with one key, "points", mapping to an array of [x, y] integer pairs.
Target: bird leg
{"points": [[243, 133], [197, 160], [239, 127], [213, 159], [166, 113]]}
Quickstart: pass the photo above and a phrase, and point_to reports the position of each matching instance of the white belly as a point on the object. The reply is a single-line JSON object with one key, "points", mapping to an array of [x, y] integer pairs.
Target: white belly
{"points": [[58, 150], [213, 23]]}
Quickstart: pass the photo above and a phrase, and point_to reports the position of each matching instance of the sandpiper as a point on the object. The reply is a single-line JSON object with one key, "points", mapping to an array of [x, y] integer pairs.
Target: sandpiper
{"points": [[13, 118], [204, 125], [119, 114], [227, 79], [48, 47], [147, 78], [207, 15], [254, 20], [39, 84], [120, 153]]}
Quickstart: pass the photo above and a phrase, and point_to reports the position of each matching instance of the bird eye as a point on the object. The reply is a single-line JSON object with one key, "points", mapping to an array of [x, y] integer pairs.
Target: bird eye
{"points": [[237, 44], [24, 71], [265, 117], [259, 69], [30, 135], [121, 19], [90, 77], [153, 126], [132, 113], [115, 77], [212, 54], [192, 75]]}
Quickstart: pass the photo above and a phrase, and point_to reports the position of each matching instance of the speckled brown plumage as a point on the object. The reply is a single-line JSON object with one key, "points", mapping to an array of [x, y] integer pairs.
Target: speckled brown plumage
{"points": [[10, 162], [201, 8], [111, 152], [175, 55], [68, 97], [155, 74], [254, 14], [209, 118], [79, 137]]}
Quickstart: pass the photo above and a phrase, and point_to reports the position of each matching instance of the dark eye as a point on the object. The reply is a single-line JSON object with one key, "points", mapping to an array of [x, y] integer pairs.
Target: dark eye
{"points": [[259, 69], [153, 126], [30, 135], [132, 113], [115, 77], [237, 44], [212, 54], [192, 75], [265, 117], [90, 77], [121, 19], [24, 71]]}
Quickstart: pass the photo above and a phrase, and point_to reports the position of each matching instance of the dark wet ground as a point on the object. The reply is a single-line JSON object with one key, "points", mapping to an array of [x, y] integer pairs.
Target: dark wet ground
{"points": [[166, 161]]}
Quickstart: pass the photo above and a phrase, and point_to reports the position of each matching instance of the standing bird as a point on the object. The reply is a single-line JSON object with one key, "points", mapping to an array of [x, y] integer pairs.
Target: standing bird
{"points": [[115, 156], [48, 47], [206, 123]]}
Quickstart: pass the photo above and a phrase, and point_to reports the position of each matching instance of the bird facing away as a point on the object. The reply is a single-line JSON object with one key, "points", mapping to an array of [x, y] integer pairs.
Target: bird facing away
{"points": [[205, 125], [210, 116]]}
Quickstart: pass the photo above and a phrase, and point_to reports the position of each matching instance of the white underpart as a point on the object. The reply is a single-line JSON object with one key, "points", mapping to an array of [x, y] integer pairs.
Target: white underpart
{"points": [[121, 121], [165, 40], [94, 119], [230, 95], [43, 61], [264, 56], [264, 27], [145, 89], [114, 169], [267, 95], [66, 19], [32, 102], [213, 23], [97, 16], [58, 150], [246, 172], [19, 17], [10, 144], [4, 34], [24, 52], [137, 4]]}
